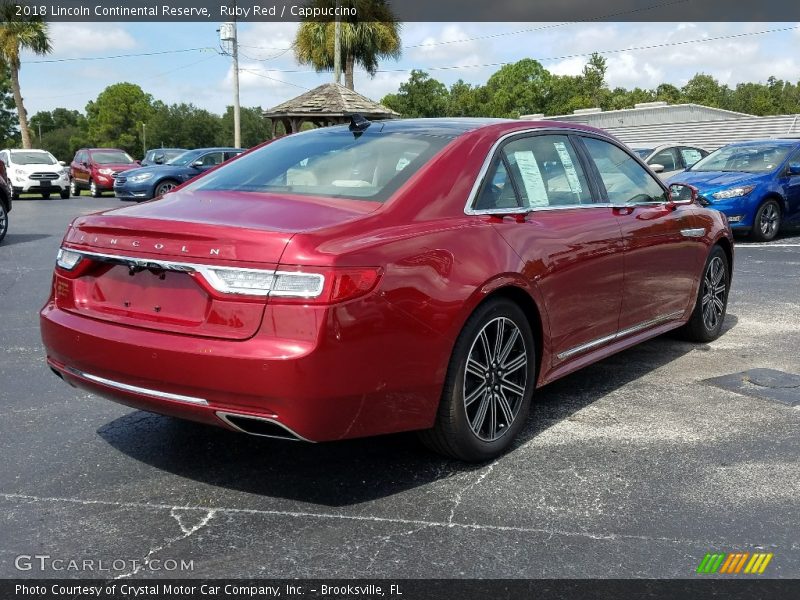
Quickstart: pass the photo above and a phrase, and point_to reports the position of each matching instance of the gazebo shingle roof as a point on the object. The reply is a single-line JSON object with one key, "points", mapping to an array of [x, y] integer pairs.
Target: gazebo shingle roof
{"points": [[330, 100]]}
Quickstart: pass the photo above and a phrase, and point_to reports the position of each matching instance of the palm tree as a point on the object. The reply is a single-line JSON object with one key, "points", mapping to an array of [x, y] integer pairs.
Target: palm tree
{"points": [[16, 34], [372, 35]]}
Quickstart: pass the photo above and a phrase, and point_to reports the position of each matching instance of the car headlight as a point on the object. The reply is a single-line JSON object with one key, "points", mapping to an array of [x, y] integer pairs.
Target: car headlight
{"points": [[735, 192], [106, 171], [141, 177], [63, 172], [20, 174]]}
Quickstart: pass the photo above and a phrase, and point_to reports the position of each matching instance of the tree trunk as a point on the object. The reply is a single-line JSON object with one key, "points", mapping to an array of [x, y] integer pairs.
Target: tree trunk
{"points": [[349, 63], [23, 116]]}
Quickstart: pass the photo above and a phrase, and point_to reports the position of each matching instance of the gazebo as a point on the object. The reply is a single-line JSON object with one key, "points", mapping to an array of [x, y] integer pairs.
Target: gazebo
{"points": [[328, 104]]}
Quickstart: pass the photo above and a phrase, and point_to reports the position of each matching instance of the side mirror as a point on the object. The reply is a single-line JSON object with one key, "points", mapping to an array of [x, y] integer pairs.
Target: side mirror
{"points": [[197, 164], [158, 159], [62, 163], [656, 168], [794, 169], [681, 194], [85, 164]]}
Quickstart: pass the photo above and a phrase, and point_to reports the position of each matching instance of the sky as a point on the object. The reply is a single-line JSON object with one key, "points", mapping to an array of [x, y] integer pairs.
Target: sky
{"points": [[269, 73]]}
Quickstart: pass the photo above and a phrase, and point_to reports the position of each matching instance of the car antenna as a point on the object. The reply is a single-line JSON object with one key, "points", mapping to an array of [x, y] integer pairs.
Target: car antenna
{"points": [[359, 123]]}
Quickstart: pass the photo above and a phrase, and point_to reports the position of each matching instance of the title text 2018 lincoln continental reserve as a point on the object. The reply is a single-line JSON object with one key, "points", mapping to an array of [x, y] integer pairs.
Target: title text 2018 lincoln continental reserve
{"points": [[385, 276]]}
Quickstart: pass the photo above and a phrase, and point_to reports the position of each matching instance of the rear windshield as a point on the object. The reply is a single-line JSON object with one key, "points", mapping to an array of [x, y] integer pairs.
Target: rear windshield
{"points": [[110, 157], [757, 158], [329, 162]]}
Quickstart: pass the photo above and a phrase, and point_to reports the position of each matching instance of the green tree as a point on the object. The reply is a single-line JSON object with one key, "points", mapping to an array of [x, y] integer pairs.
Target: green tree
{"points": [[17, 34], [255, 128], [666, 92], [182, 126], [516, 89], [116, 117], [63, 131], [594, 81], [463, 100], [372, 35], [9, 134], [420, 96]]}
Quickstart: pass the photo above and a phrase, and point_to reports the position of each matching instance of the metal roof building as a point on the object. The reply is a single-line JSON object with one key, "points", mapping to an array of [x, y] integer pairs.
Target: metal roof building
{"points": [[659, 122]]}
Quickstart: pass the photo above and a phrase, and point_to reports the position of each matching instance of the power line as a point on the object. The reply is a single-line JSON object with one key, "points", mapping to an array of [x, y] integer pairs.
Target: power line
{"points": [[258, 74], [85, 58]]}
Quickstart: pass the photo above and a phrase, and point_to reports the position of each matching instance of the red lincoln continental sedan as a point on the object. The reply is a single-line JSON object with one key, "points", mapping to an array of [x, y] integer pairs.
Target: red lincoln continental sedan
{"points": [[389, 276]]}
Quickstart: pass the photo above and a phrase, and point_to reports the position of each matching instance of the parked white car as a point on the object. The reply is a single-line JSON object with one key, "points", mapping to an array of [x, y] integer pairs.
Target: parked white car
{"points": [[670, 158], [35, 172]]}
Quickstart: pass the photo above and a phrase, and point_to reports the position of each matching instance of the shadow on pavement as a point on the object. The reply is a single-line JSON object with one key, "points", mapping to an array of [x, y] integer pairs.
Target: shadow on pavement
{"points": [[355, 471]]}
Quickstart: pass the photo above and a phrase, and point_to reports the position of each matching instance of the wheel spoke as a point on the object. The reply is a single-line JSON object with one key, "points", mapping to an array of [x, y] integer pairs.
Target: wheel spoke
{"points": [[475, 368], [512, 387], [498, 340], [485, 343], [481, 389], [480, 415], [505, 407], [493, 417], [520, 361], [509, 345]]}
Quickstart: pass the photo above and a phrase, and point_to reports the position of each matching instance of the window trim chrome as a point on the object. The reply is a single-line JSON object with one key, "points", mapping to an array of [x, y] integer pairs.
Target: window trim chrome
{"points": [[521, 210]]}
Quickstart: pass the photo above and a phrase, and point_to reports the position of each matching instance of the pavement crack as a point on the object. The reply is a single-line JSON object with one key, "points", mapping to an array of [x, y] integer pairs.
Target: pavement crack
{"points": [[186, 531], [385, 539], [460, 494]]}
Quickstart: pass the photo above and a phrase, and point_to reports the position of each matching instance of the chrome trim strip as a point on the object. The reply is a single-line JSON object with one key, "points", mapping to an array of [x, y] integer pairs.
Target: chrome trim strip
{"points": [[618, 335], [223, 416], [207, 271], [694, 232], [135, 388]]}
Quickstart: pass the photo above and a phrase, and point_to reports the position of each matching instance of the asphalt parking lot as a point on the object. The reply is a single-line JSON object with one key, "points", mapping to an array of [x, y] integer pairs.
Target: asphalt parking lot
{"points": [[634, 467]]}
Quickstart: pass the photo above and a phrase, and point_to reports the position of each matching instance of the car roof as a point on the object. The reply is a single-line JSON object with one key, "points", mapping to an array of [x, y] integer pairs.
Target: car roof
{"points": [[28, 150], [768, 141], [455, 126]]}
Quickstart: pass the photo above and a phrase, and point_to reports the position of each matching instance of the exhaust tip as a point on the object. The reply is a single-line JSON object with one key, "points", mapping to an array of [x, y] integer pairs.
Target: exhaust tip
{"points": [[259, 426]]}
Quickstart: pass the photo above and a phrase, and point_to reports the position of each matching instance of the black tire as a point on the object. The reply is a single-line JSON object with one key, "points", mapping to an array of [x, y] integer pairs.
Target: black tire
{"points": [[705, 324], [164, 187], [3, 221], [74, 190], [64, 194], [46, 195], [767, 222], [94, 191], [459, 430], [14, 195]]}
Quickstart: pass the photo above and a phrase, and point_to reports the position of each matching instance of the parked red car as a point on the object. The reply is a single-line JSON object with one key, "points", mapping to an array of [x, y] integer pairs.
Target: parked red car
{"points": [[403, 275], [94, 169]]}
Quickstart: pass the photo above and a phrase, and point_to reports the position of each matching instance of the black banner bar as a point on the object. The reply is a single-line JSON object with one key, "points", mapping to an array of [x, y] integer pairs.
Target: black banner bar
{"points": [[411, 10], [400, 589]]}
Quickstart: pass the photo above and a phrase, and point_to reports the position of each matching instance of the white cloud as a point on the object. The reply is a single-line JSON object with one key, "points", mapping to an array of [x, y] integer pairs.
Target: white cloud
{"points": [[82, 39]]}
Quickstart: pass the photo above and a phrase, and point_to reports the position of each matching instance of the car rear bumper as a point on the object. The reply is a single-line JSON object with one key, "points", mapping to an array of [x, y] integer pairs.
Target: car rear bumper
{"points": [[316, 387]]}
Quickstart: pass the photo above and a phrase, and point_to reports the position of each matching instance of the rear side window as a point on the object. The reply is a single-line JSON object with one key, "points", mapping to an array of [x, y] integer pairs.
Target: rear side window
{"points": [[625, 180], [333, 163], [535, 172]]}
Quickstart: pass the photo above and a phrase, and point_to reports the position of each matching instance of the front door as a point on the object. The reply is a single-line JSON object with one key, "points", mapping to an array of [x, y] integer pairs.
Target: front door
{"points": [[664, 248]]}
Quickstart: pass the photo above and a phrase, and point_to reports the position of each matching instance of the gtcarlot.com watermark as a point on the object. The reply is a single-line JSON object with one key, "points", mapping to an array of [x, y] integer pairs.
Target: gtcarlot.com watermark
{"points": [[48, 563]]}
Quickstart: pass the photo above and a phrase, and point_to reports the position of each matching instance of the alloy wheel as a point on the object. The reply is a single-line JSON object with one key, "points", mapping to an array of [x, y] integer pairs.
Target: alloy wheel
{"points": [[768, 223], [165, 187], [715, 287], [495, 379]]}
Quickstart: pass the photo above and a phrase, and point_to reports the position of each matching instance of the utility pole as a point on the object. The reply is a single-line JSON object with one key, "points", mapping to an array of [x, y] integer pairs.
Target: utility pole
{"points": [[144, 139], [40, 134], [337, 47], [237, 123]]}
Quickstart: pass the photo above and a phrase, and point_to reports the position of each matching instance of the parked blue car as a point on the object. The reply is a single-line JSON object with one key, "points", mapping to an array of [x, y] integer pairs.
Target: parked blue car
{"points": [[755, 184], [156, 180]]}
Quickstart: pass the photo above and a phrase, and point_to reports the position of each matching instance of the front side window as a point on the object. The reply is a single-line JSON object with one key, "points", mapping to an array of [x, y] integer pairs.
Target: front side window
{"points": [[625, 180], [666, 158], [334, 163], [535, 172], [211, 159]]}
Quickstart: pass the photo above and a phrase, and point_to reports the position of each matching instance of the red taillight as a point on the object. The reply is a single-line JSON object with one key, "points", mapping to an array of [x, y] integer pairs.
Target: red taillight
{"points": [[340, 284]]}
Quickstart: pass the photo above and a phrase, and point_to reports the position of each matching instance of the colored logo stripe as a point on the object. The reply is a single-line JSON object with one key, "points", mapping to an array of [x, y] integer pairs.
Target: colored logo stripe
{"points": [[733, 562]]}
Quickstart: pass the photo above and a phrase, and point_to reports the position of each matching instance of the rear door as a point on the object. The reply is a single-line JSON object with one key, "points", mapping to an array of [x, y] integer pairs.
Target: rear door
{"points": [[791, 187], [664, 246], [571, 246]]}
